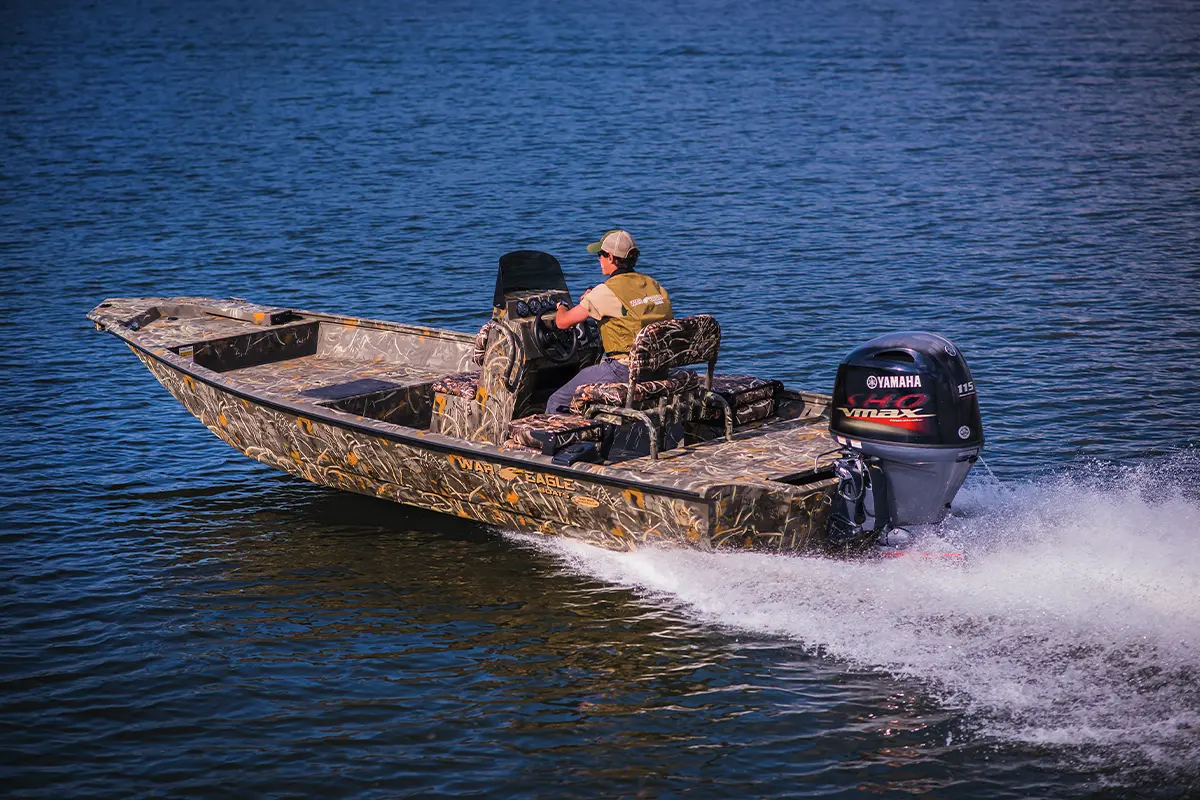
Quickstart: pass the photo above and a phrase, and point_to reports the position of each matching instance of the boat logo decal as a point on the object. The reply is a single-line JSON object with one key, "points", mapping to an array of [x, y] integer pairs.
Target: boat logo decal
{"points": [[546, 484], [585, 501], [964, 432], [897, 410], [471, 464], [894, 382], [883, 413]]}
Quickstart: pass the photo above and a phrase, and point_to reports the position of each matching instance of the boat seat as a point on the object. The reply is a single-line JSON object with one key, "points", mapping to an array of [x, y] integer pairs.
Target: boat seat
{"points": [[459, 384], [549, 433], [645, 393], [750, 399], [659, 349]]}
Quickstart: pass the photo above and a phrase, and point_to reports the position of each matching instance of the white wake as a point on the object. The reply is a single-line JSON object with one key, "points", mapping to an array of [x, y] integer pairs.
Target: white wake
{"points": [[1072, 621]]}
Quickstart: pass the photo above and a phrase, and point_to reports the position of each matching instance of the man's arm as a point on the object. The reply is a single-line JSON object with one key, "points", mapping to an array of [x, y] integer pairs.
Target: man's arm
{"points": [[565, 317], [597, 302]]}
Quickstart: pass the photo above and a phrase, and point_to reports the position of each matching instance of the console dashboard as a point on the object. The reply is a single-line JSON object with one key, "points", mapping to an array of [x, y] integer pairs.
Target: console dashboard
{"points": [[534, 304], [534, 313]]}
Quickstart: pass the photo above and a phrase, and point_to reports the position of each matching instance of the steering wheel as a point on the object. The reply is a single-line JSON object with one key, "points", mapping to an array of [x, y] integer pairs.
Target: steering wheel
{"points": [[556, 344]]}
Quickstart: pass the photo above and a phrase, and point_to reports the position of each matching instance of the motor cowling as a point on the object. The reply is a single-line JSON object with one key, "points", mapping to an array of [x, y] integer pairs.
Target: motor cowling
{"points": [[906, 412]]}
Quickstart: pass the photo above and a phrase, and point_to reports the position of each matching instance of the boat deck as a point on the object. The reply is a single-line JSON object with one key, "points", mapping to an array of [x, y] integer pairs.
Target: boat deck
{"points": [[172, 332], [295, 377], [781, 450]]}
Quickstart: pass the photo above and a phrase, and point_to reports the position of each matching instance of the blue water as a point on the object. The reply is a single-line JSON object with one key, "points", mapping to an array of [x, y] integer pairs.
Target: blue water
{"points": [[1021, 177]]}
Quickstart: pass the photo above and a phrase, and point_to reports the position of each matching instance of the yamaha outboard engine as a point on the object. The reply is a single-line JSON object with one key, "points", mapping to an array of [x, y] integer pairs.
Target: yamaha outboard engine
{"points": [[907, 417]]}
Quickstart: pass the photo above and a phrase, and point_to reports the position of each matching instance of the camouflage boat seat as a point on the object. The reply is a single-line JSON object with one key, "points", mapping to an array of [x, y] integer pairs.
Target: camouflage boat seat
{"points": [[459, 384], [549, 433], [749, 399], [658, 393], [645, 393]]}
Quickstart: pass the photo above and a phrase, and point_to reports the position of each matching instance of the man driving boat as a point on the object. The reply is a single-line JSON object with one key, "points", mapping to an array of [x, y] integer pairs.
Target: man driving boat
{"points": [[624, 304]]}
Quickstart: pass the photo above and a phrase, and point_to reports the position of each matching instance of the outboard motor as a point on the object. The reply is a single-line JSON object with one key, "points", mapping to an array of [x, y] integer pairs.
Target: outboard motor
{"points": [[907, 417]]}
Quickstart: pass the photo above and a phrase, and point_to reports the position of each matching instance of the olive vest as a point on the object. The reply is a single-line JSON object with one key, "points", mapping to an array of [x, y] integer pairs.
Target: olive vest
{"points": [[642, 301]]}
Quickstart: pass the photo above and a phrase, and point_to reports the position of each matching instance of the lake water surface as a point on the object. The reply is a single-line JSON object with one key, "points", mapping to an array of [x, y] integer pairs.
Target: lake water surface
{"points": [[1022, 177]]}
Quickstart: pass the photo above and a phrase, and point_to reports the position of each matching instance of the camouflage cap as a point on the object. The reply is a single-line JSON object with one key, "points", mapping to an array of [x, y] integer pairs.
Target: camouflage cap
{"points": [[616, 243]]}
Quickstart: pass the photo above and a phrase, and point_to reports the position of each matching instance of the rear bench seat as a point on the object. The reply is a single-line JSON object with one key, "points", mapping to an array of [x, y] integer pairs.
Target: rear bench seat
{"points": [[750, 399]]}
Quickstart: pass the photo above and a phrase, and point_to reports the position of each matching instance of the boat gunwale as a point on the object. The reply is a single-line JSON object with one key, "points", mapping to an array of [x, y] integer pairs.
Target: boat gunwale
{"points": [[368, 323]]}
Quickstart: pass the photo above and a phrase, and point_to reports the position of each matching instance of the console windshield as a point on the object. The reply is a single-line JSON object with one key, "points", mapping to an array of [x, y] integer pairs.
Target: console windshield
{"points": [[528, 271]]}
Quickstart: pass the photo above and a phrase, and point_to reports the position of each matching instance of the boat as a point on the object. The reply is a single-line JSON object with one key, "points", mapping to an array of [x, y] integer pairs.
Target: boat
{"points": [[680, 455]]}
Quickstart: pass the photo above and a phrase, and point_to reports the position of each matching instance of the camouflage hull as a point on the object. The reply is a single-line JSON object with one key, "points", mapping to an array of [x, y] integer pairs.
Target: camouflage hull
{"points": [[263, 387]]}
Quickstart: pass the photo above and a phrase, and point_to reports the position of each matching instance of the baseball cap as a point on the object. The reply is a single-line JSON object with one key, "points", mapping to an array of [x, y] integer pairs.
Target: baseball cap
{"points": [[616, 243]]}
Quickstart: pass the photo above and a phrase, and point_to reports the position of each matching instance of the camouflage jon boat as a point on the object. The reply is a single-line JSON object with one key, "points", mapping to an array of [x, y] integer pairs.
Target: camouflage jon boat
{"points": [[455, 422]]}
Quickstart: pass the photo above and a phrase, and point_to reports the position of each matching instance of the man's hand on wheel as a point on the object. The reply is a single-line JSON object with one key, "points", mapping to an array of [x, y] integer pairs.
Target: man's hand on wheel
{"points": [[565, 316]]}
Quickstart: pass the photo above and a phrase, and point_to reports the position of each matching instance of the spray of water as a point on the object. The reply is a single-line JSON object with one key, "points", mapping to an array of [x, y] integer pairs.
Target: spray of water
{"points": [[1072, 621]]}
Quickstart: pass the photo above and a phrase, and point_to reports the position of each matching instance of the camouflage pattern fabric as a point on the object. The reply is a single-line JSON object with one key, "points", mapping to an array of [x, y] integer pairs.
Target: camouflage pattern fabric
{"points": [[481, 342], [505, 382], [658, 347], [455, 415], [495, 397], [753, 411], [461, 384], [645, 393], [566, 428], [739, 389], [674, 343], [749, 398]]}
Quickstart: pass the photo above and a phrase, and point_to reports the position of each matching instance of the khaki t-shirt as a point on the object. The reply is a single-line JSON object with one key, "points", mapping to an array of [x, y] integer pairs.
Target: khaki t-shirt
{"points": [[600, 302]]}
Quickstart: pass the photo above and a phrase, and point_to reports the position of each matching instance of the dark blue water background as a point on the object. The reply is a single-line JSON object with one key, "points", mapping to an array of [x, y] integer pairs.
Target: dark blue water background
{"points": [[1022, 177]]}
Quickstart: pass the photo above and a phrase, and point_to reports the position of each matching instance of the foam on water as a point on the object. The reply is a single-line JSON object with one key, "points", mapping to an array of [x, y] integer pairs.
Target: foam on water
{"points": [[1071, 622]]}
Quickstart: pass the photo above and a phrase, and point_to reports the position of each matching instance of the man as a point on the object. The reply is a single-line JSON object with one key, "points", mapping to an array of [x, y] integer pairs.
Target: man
{"points": [[624, 304]]}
